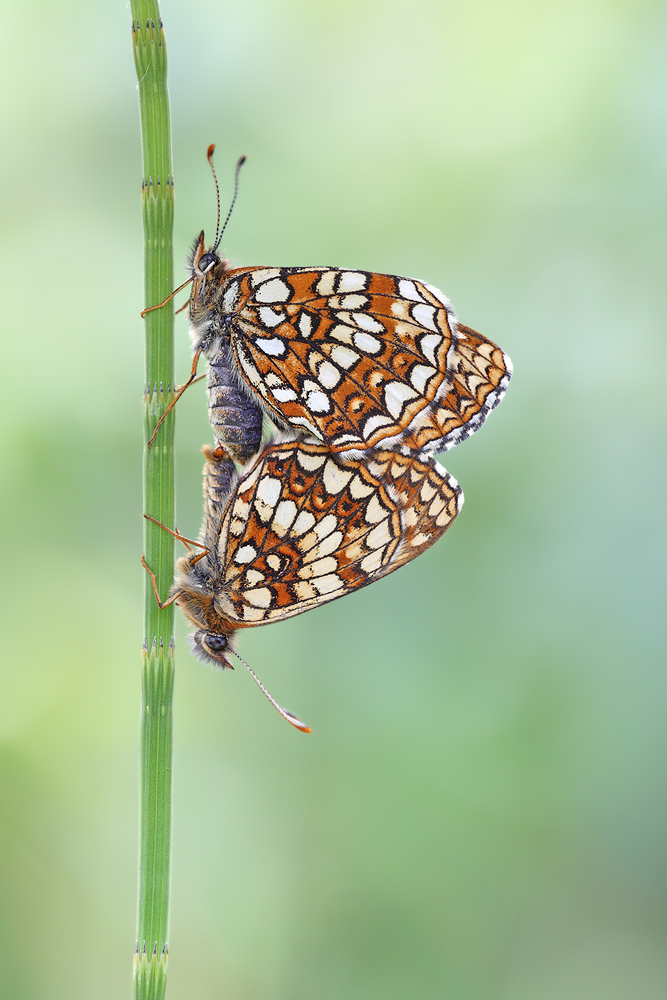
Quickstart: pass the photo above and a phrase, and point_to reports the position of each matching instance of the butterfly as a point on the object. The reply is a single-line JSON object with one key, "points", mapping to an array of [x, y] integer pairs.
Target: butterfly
{"points": [[356, 359], [297, 528]]}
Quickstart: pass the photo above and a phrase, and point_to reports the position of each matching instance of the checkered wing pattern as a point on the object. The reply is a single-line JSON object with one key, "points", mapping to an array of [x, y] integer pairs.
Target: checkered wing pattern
{"points": [[360, 360], [302, 529]]}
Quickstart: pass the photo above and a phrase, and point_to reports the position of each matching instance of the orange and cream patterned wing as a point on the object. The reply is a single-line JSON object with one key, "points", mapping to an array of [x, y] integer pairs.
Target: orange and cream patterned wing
{"points": [[302, 529], [477, 382], [362, 360], [353, 358], [428, 498]]}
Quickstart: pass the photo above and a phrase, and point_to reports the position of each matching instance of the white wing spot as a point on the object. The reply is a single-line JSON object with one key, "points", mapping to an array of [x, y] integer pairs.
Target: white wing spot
{"points": [[367, 322], [375, 512], [328, 375], [401, 310], [260, 598], [366, 343], [396, 395], [275, 290], [335, 478], [408, 290], [428, 345], [353, 302], [316, 401], [436, 506], [283, 517], [321, 567], [369, 564], [252, 614], [427, 491], [269, 317], [330, 544], [245, 554], [341, 333], [303, 523], [325, 285], [328, 584], [305, 324], [261, 274], [359, 489], [424, 315], [284, 395], [352, 281], [325, 526], [343, 356], [273, 346], [269, 490], [373, 423], [420, 375], [444, 517], [310, 462], [379, 536], [239, 517]]}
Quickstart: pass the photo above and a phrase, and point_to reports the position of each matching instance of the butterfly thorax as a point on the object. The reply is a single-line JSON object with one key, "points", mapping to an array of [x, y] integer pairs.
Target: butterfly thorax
{"points": [[209, 309]]}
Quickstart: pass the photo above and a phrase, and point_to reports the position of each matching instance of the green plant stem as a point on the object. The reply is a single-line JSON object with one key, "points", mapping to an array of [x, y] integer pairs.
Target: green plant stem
{"points": [[150, 968]]}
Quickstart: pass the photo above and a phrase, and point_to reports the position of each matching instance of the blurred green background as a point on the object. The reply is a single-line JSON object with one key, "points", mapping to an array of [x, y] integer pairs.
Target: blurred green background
{"points": [[480, 813]]}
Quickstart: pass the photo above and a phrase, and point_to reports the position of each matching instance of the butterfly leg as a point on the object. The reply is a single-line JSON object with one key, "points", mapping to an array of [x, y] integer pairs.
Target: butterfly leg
{"points": [[161, 604], [181, 538], [193, 376]]}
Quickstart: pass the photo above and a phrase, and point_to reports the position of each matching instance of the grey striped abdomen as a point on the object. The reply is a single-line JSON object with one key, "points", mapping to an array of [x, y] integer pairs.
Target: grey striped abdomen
{"points": [[235, 419]]}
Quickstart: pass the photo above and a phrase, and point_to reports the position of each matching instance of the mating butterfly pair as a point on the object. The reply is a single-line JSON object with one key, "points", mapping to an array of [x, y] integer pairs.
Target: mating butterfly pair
{"points": [[377, 374], [355, 359]]}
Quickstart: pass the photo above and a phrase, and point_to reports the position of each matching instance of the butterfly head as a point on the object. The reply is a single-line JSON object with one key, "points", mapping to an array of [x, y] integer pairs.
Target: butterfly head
{"points": [[208, 274], [211, 648], [205, 264]]}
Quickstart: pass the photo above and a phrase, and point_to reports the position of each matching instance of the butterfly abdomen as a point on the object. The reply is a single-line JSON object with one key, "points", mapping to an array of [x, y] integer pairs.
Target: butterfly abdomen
{"points": [[236, 420]]}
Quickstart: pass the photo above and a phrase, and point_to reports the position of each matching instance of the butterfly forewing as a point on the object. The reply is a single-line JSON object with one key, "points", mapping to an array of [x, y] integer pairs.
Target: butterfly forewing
{"points": [[362, 360], [302, 529]]}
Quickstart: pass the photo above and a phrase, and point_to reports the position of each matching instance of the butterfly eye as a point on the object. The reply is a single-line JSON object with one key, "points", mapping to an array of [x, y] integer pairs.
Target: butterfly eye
{"points": [[206, 262], [216, 643]]}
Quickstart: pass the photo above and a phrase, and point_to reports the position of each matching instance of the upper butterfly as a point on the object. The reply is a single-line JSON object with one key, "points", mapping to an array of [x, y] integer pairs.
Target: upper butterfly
{"points": [[356, 359]]}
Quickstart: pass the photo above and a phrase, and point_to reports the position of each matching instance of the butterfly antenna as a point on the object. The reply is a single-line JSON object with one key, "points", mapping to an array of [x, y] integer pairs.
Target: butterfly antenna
{"points": [[218, 230], [291, 718]]}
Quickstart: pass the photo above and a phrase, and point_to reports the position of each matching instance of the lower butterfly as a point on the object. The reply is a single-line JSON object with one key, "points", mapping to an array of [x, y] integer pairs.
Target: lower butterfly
{"points": [[296, 528], [356, 359]]}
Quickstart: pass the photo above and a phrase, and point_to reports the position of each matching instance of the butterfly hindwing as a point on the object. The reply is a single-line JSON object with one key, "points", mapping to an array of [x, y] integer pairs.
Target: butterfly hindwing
{"points": [[301, 528]]}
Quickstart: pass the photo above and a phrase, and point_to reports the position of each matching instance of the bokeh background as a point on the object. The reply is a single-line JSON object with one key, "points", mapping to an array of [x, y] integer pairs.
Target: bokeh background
{"points": [[480, 813]]}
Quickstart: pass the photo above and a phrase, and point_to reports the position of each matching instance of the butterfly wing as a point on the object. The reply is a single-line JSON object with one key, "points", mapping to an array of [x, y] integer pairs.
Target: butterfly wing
{"points": [[480, 374], [302, 529], [362, 360]]}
